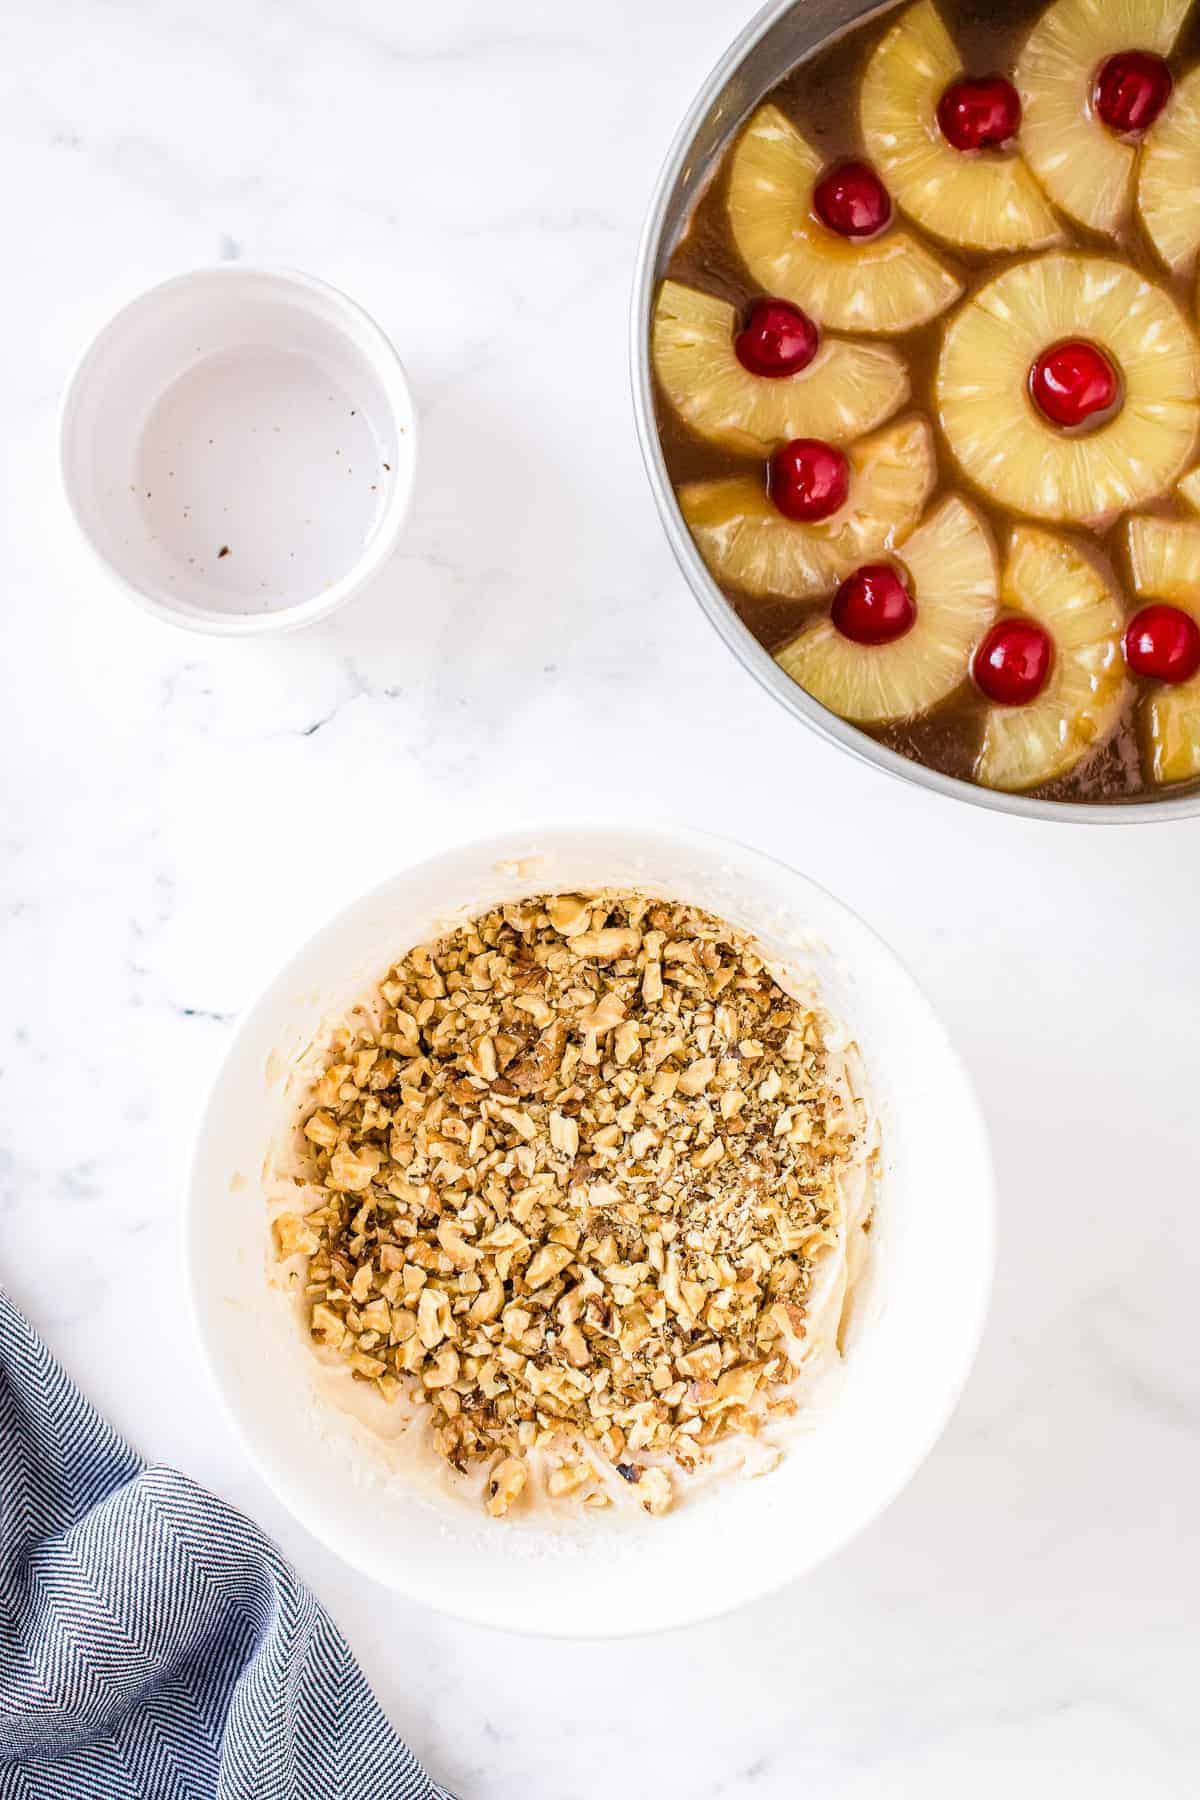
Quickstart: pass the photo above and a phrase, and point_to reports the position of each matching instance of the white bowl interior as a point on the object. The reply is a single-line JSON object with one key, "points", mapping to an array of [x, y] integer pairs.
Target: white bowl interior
{"points": [[914, 1340], [234, 444]]}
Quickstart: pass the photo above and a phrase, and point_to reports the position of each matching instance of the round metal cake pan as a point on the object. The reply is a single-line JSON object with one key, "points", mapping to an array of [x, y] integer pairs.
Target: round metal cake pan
{"points": [[780, 36]]}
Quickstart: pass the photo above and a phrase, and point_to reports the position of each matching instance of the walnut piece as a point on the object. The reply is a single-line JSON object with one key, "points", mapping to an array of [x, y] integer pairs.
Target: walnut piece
{"points": [[505, 1484]]}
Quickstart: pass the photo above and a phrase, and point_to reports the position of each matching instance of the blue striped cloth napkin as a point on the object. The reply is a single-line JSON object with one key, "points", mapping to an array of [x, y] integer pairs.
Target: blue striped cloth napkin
{"points": [[154, 1645]]}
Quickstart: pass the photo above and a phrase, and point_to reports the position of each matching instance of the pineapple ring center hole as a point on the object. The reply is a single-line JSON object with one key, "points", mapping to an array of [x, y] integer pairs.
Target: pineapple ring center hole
{"points": [[980, 116], [1129, 91], [1076, 386], [876, 605]]}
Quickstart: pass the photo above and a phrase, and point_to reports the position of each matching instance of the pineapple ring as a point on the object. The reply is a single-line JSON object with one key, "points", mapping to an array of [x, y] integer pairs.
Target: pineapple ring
{"points": [[1084, 168], [985, 202], [885, 284], [1004, 443], [1164, 556], [1169, 177], [1189, 487], [847, 389], [952, 577], [1048, 579], [747, 541]]}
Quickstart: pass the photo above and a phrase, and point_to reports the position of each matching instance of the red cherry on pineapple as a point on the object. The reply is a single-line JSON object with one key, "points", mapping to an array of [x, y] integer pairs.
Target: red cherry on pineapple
{"points": [[778, 339], [851, 200], [1012, 665], [1164, 643], [1131, 90], [979, 114], [873, 606], [1073, 381], [808, 479]]}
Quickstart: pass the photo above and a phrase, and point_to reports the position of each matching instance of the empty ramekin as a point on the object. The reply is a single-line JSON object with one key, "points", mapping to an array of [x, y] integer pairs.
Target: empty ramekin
{"points": [[238, 448]]}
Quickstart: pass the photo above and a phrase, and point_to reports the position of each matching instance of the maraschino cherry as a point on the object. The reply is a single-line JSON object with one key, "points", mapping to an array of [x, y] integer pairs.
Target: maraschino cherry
{"points": [[851, 200], [808, 479], [1012, 665], [1073, 382], [777, 339], [1131, 90], [1163, 642], [979, 113], [873, 606]]}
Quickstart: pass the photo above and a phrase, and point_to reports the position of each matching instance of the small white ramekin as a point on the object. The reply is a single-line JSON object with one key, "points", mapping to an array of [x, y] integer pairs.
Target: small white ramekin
{"points": [[238, 448], [913, 1339]]}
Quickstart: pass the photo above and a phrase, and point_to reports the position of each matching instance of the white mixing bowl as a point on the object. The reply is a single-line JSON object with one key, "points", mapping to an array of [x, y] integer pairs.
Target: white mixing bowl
{"points": [[913, 1344]]}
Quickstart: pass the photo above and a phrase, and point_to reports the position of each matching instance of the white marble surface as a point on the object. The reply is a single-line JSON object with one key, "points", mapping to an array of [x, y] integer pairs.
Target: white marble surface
{"points": [[175, 812]]}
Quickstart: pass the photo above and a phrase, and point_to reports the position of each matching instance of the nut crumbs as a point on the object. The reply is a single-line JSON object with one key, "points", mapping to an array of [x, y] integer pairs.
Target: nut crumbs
{"points": [[575, 1174]]}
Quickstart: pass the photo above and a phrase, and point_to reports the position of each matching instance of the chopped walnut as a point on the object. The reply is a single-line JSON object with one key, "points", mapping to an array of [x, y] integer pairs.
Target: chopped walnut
{"points": [[505, 1484], [574, 1169], [294, 1236], [654, 1491]]}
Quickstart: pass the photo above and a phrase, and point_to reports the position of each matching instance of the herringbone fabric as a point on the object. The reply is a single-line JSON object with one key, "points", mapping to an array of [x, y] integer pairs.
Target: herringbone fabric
{"points": [[154, 1645]]}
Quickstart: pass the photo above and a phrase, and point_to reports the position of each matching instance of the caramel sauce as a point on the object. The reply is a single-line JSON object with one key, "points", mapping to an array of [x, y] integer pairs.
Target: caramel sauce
{"points": [[821, 95]]}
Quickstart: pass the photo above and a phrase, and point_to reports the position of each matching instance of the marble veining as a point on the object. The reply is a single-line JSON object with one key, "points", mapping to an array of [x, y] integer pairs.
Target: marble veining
{"points": [[174, 813]]}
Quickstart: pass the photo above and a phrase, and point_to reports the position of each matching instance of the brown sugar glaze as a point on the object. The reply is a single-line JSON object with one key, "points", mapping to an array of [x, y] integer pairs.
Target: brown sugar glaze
{"points": [[821, 96]]}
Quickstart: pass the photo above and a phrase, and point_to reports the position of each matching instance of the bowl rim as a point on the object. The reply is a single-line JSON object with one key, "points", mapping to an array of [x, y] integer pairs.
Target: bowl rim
{"points": [[385, 360], [503, 847], [716, 608]]}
